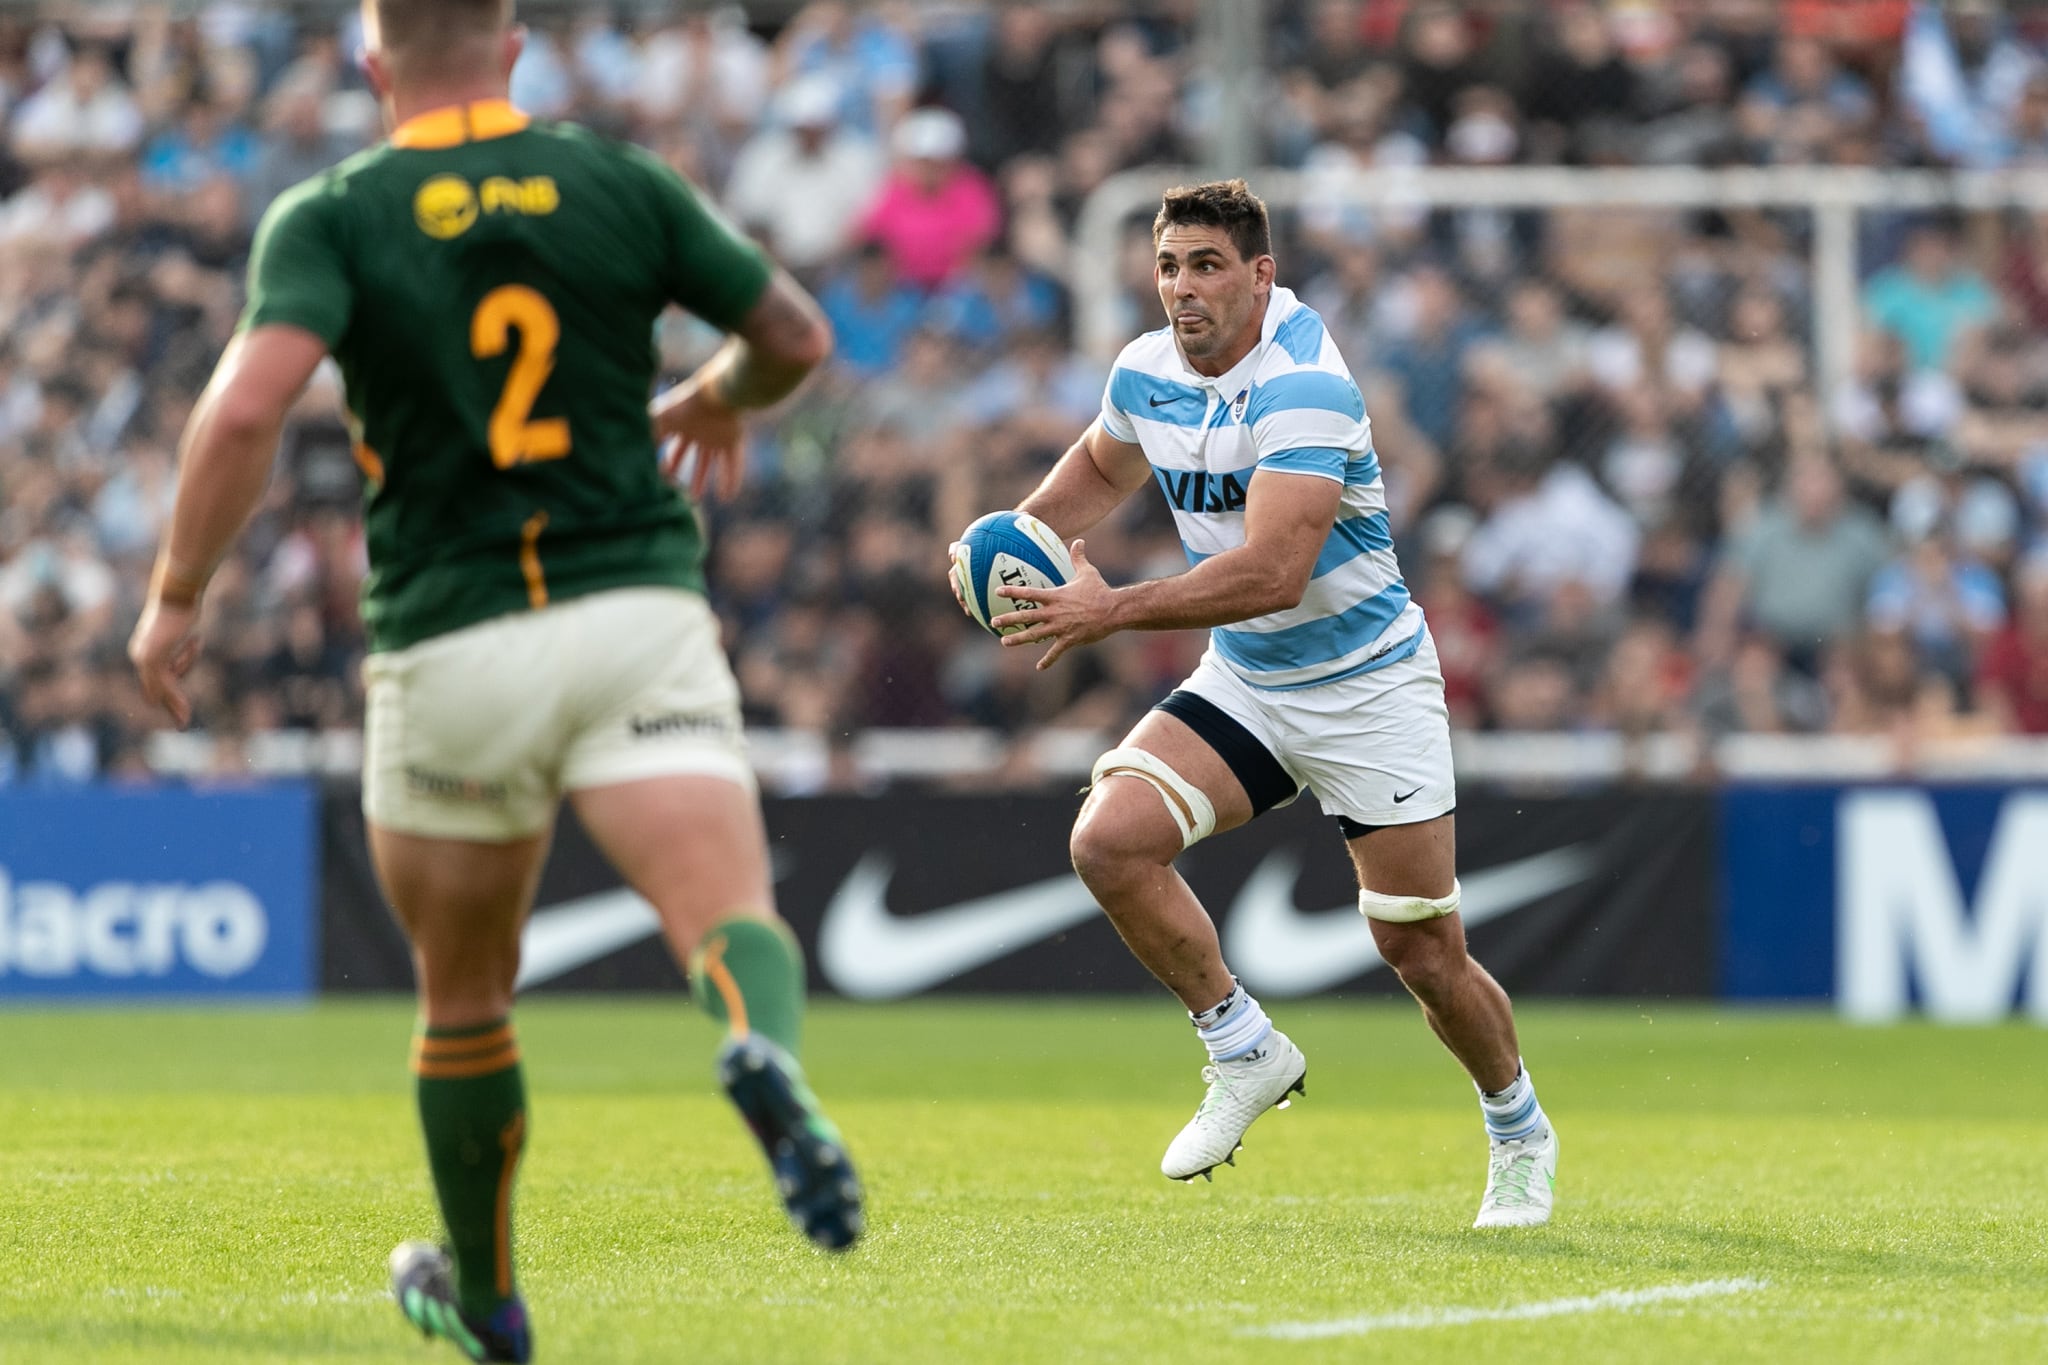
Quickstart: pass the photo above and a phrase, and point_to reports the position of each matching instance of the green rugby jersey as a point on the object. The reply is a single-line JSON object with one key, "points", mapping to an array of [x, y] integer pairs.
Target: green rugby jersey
{"points": [[489, 285]]}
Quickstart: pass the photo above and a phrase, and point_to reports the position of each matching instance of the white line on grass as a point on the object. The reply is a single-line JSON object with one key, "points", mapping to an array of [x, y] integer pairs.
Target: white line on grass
{"points": [[1612, 1300]]}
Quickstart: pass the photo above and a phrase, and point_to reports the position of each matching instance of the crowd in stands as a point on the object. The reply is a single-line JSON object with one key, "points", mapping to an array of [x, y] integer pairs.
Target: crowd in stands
{"points": [[1620, 491]]}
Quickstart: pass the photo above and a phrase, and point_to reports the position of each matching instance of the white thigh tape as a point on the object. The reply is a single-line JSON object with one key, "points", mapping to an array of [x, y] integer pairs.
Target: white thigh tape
{"points": [[1406, 909], [1185, 802]]}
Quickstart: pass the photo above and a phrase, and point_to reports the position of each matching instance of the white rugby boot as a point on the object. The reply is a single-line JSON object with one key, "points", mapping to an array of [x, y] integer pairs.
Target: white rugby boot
{"points": [[1239, 1091], [1521, 1182]]}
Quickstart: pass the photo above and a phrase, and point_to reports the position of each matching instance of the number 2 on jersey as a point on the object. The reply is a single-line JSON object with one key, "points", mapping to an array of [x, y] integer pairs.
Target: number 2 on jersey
{"points": [[515, 438]]}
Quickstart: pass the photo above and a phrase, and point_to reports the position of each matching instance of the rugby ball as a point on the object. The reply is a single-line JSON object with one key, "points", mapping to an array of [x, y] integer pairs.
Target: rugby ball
{"points": [[1006, 550]]}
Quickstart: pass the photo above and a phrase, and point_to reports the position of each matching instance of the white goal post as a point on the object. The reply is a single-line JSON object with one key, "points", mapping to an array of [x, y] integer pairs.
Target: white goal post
{"points": [[1834, 195]]}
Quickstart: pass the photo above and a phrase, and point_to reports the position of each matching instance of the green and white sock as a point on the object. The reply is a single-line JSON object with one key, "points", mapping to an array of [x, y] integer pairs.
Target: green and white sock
{"points": [[748, 974], [472, 1101]]}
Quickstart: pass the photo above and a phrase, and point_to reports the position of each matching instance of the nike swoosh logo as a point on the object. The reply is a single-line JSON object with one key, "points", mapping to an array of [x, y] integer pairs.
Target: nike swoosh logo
{"points": [[1280, 951], [560, 938], [1404, 796], [564, 937], [1161, 402], [870, 954]]}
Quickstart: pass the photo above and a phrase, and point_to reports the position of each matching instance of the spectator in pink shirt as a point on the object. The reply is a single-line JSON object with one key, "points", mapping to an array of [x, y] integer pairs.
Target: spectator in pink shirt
{"points": [[934, 211]]}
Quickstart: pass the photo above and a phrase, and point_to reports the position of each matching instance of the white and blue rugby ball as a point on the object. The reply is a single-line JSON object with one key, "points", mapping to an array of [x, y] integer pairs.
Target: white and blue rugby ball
{"points": [[1006, 550]]}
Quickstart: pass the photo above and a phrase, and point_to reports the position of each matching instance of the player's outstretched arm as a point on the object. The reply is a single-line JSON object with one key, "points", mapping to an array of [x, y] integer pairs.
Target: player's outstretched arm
{"points": [[1287, 517], [1088, 483], [224, 464], [782, 338]]}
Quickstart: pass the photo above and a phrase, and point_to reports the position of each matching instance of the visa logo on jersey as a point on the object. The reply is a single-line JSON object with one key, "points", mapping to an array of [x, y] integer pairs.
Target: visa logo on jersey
{"points": [[447, 206], [1197, 490], [128, 929]]}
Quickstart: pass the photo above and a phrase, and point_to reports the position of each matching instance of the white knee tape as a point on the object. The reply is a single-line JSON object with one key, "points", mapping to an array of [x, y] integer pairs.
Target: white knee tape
{"points": [[1185, 802], [1407, 909]]}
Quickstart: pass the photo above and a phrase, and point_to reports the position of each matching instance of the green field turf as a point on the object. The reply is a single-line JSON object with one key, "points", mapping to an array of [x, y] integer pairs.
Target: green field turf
{"points": [[224, 1186]]}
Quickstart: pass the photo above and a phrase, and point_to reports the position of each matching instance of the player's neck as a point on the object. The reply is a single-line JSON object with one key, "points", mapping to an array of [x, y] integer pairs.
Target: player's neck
{"points": [[1223, 361], [405, 105]]}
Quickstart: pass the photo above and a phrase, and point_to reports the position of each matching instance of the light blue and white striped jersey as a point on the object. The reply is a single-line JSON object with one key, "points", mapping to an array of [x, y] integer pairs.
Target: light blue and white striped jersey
{"points": [[1290, 405]]}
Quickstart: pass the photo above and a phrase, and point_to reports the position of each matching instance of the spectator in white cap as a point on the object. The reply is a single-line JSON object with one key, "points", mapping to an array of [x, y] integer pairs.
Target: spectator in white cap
{"points": [[800, 184], [935, 211]]}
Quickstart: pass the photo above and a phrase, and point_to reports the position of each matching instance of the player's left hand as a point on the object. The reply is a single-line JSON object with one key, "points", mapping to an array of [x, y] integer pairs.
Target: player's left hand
{"points": [[162, 649], [691, 416], [1080, 613]]}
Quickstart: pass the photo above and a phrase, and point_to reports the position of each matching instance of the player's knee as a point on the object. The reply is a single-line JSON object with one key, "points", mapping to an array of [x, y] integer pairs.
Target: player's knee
{"points": [[1107, 845], [1418, 938], [1124, 810], [1428, 964]]}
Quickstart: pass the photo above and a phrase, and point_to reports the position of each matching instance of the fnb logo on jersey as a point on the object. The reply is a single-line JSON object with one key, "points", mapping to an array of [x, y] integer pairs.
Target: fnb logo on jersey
{"points": [[161, 892], [447, 206]]}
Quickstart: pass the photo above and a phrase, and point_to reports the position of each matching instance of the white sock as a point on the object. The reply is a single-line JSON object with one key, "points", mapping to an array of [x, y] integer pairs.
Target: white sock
{"points": [[1234, 1027], [1513, 1114]]}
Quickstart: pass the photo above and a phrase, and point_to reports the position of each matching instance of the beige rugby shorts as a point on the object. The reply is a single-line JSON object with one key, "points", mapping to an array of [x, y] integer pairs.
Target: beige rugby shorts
{"points": [[476, 734]]}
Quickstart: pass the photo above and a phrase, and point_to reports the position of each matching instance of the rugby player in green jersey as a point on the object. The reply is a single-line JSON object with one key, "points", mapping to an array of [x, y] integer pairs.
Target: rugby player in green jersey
{"points": [[535, 610]]}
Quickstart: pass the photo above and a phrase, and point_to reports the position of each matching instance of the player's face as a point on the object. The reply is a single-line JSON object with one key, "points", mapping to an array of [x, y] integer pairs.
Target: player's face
{"points": [[1211, 294]]}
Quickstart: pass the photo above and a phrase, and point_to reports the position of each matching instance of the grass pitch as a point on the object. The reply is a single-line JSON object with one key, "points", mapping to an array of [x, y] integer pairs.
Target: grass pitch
{"points": [[223, 1187]]}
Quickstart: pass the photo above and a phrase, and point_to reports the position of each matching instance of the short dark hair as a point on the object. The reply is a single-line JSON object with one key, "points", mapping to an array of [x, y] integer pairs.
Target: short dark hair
{"points": [[1226, 204], [426, 27]]}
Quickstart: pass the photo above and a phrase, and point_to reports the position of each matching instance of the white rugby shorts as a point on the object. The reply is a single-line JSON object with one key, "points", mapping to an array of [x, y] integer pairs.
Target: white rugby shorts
{"points": [[1374, 748], [476, 734]]}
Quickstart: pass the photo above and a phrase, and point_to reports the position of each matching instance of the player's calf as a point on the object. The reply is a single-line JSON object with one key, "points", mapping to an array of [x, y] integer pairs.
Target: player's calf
{"points": [[749, 974]]}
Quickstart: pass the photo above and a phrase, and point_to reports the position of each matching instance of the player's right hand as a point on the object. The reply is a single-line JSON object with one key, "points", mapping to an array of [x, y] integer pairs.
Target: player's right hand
{"points": [[952, 580], [162, 649], [691, 416]]}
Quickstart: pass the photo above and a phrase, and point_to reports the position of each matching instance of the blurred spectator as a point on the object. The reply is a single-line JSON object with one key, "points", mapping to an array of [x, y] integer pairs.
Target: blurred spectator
{"points": [[1521, 555], [61, 206], [1466, 635], [1929, 296], [1889, 416], [871, 312], [1757, 694], [701, 67], [203, 144], [1802, 573], [2012, 676], [1439, 61], [934, 210], [1694, 124], [803, 184], [1946, 602], [1019, 111], [1964, 78], [297, 143], [86, 111], [1580, 84], [996, 301], [1760, 366], [1542, 347], [872, 60], [1805, 85], [1646, 345], [1428, 355]]}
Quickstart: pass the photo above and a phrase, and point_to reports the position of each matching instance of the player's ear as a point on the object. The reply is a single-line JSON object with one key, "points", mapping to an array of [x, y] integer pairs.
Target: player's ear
{"points": [[1263, 270], [375, 71], [515, 43]]}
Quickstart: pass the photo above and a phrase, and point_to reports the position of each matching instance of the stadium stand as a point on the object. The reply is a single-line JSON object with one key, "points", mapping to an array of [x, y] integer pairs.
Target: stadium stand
{"points": [[1627, 505]]}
